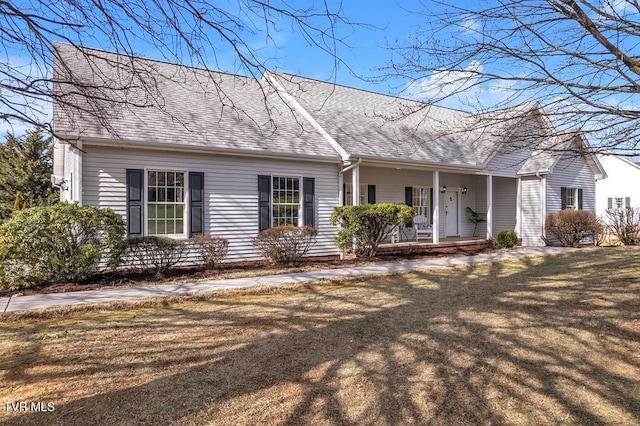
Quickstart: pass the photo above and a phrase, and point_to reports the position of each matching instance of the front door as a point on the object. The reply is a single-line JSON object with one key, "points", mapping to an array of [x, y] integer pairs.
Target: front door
{"points": [[451, 213]]}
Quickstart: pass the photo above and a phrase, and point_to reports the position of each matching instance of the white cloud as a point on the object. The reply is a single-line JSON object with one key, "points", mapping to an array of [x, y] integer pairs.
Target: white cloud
{"points": [[461, 89]]}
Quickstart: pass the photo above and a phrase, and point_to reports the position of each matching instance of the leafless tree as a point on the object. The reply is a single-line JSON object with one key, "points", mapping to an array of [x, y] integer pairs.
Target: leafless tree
{"points": [[578, 59], [196, 33]]}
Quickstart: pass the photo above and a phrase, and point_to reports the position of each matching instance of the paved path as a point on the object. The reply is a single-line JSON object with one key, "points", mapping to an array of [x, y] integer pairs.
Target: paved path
{"points": [[41, 301]]}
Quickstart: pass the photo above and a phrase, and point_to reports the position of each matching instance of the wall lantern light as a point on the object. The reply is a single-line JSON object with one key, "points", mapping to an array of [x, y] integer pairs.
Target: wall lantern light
{"points": [[464, 190], [443, 189]]}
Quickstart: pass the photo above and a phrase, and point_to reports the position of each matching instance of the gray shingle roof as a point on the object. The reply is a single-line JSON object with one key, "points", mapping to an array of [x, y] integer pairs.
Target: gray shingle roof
{"points": [[173, 105], [372, 125]]}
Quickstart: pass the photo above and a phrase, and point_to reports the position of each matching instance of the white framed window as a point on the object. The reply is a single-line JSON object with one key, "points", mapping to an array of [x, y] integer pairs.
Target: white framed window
{"points": [[348, 194], [572, 198], [421, 201], [166, 204], [618, 203], [285, 201]]}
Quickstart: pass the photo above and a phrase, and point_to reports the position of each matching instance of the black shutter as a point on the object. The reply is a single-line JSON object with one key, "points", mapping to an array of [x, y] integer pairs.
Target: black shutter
{"points": [[264, 202], [309, 193], [579, 198], [371, 194], [135, 187], [408, 200], [627, 202], [563, 198], [344, 194], [196, 203], [431, 205], [609, 203], [408, 195]]}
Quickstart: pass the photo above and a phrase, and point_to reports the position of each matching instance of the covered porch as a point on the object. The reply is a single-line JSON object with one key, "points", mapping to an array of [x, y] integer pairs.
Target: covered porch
{"points": [[445, 196]]}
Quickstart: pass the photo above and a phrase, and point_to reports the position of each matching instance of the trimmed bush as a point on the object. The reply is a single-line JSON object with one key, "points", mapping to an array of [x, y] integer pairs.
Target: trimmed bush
{"points": [[507, 238], [624, 224], [154, 254], [369, 225], [58, 243], [571, 227], [211, 249], [285, 243]]}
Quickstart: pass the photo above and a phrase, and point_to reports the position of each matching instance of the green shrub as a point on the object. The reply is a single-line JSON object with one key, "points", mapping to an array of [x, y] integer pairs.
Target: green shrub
{"points": [[507, 238], [58, 243], [368, 225], [571, 226], [285, 243], [154, 254], [211, 249]]}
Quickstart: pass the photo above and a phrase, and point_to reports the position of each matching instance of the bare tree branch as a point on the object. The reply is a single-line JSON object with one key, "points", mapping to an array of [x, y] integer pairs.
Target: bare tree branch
{"points": [[578, 59]]}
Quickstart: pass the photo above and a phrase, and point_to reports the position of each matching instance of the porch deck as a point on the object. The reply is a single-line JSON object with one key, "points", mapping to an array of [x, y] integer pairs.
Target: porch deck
{"points": [[445, 246]]}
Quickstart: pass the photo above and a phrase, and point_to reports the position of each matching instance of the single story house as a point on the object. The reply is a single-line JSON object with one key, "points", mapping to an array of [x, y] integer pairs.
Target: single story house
{"points": [[177, 151], [620, 189]]}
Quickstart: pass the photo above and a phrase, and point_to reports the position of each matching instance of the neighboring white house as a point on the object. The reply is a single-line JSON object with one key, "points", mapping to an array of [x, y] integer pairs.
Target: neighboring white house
{"points": [[242, 155], [621, 188]]}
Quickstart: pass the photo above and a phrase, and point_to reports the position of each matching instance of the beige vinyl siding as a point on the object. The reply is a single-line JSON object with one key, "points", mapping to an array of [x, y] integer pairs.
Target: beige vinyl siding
{"points": [[571, 172], [531, 211], [231, 191], [505, 192]]}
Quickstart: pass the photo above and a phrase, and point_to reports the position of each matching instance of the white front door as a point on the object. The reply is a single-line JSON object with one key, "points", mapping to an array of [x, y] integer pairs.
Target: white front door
{"points": [[451, 213]]}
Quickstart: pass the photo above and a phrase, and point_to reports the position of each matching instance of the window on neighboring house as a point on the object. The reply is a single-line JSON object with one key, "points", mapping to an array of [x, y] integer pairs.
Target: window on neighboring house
{"points": [[165, 203], [285, 201], [570, 198], [421, 201], [618, 203]]}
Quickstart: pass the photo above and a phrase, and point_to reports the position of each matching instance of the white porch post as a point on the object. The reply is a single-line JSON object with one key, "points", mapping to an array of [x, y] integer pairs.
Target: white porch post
{"points": [[543, 204], [355, 185], [436, 206], [519, 208], [341, 188], [489, 206]]}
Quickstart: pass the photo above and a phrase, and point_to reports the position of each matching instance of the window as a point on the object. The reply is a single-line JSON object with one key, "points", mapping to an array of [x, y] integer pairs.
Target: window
{"points": [[165, 203], [285, 201], [571, 198], [420, 197], [618, 203], [348, 194]]}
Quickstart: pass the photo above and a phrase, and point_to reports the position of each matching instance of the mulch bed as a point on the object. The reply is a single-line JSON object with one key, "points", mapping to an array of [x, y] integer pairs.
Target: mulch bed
{"points": [[260, 268]]}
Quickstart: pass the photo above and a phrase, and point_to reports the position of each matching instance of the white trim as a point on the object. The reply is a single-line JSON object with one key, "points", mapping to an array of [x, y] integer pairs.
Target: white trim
{"points": [[543, 203], [355, 184], [303, 112], [300, 197], [76, 179], [186, 220], [436, 206], [519, 208], [489, 206]]}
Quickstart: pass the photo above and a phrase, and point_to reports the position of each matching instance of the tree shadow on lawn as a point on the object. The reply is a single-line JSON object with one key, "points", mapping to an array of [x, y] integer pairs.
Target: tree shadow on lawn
{"points": [[480, 345]]}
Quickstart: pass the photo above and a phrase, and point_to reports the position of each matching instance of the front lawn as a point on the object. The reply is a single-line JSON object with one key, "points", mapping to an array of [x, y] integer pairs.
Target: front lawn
{"points": [[552, 340]]}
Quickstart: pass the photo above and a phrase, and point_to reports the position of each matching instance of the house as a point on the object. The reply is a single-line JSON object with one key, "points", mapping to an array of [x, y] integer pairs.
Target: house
{"points": [[621, 188], [178, 151]]}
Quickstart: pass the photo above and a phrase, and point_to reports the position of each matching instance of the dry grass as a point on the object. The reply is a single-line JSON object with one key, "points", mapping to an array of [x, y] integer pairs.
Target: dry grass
{"points": [[552, 340]]}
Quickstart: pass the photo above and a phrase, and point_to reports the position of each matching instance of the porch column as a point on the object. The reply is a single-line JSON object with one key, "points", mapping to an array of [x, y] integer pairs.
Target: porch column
{"points": [[341, 189], [543, 204], [436, 206], [489, 206], [355, 184], [519, 208]]}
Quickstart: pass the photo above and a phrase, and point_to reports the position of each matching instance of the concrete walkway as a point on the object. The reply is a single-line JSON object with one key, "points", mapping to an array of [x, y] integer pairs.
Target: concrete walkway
{"points": [[42, 301]]}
